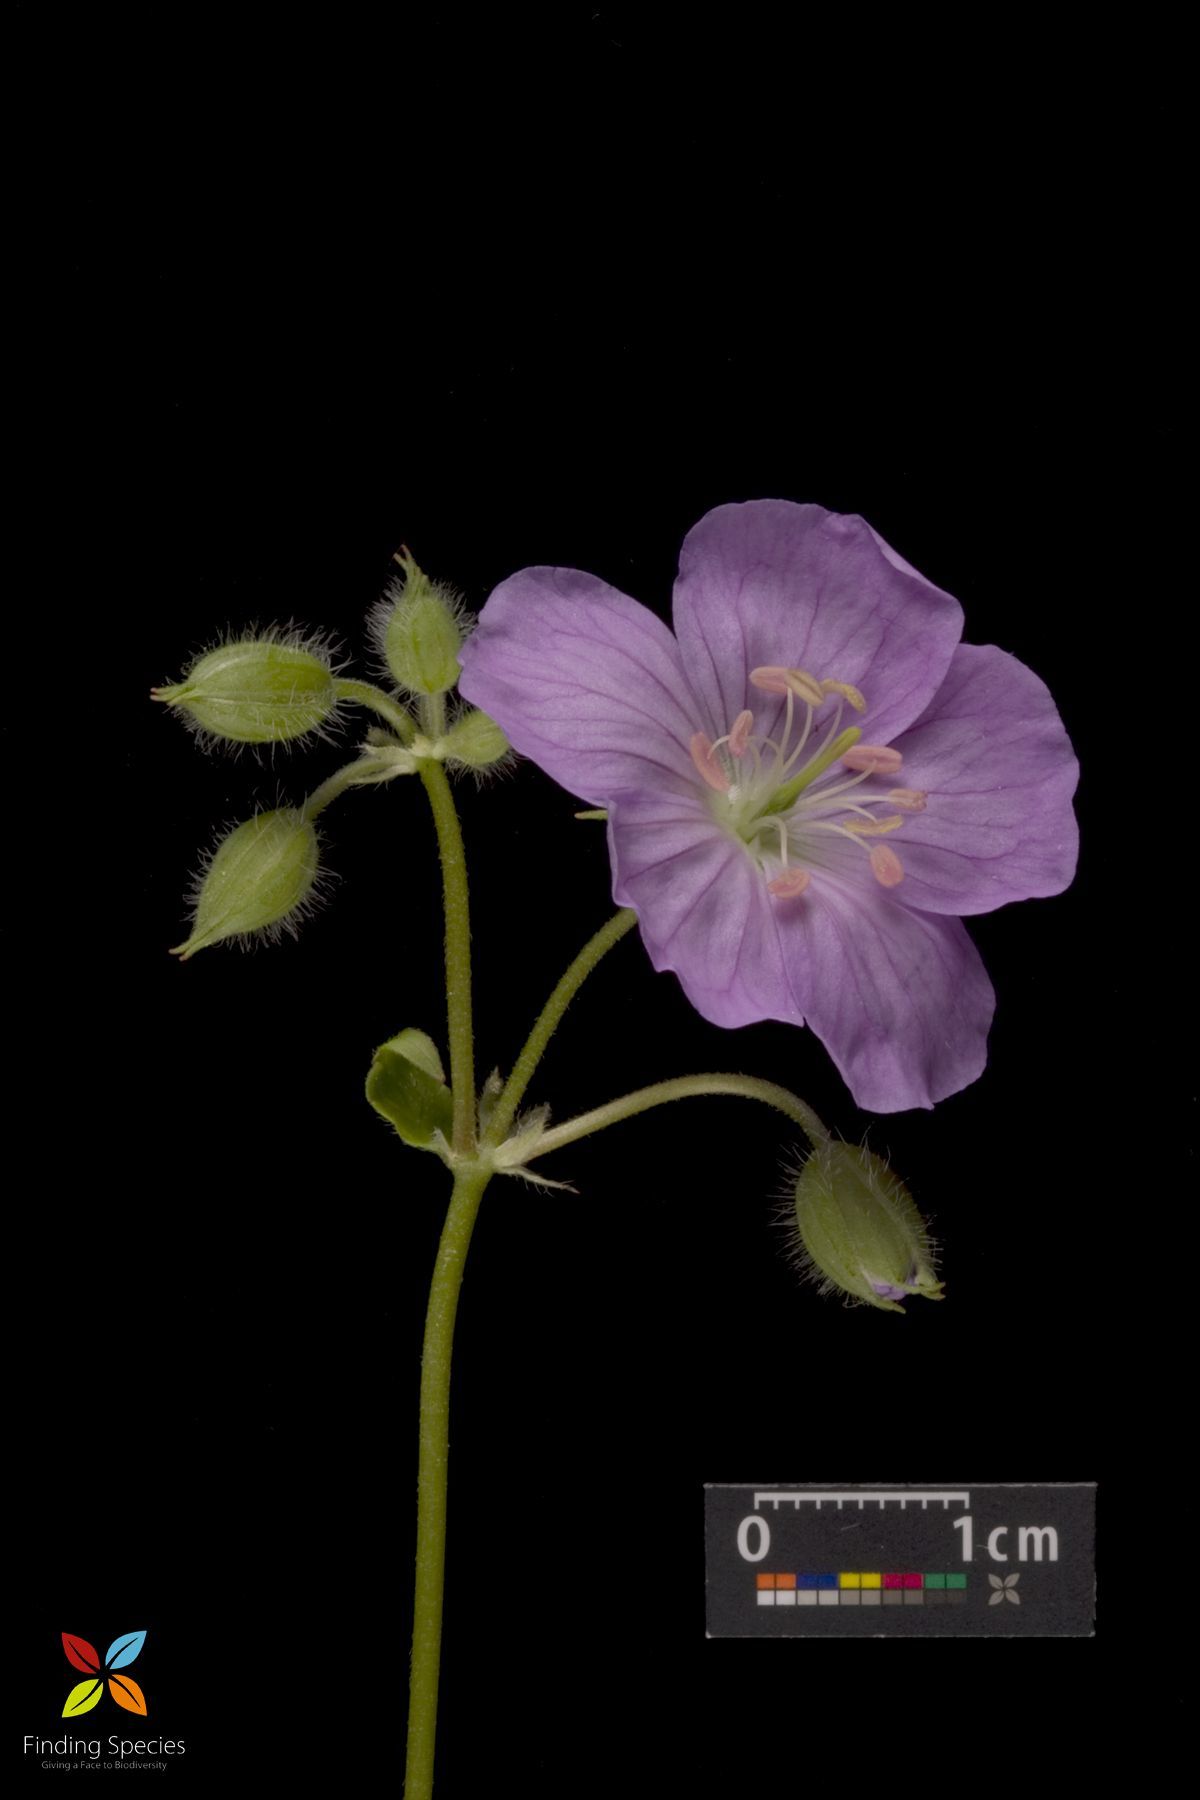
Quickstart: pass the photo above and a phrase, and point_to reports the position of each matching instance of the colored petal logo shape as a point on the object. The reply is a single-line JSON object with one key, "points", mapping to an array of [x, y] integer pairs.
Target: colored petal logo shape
{"points": [[81, 1699], [126, 1692], [124, 1650], [80, 1654]]}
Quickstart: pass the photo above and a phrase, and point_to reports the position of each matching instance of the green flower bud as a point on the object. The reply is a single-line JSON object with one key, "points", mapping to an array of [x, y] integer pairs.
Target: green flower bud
{"points": [[257, 690], [419, 628], [260, 880], [859, 1229], [475, 742]]}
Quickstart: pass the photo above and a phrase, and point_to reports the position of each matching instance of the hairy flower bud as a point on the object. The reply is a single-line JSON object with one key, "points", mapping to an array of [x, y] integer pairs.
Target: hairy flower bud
{"points": [[418, 626], [260, 880], [859, 1228], [266, 689], [475, 742]]}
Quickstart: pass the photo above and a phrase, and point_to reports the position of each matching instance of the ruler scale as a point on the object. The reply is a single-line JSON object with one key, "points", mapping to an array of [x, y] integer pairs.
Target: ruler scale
{"points": [[976, 1560]]}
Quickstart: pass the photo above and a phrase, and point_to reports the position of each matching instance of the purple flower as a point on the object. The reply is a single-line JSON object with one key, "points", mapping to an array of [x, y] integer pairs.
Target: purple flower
{"points": [[807, 785]]}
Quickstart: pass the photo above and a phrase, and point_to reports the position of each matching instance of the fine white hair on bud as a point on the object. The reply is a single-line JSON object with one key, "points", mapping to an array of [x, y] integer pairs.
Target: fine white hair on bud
{"points": [[418, 628], [262, 878], [855, 1229], [476, 742], [259, 686]]}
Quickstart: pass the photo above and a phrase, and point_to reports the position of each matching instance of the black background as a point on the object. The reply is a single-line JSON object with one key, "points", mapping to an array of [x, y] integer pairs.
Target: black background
{"points": [[545, 291]]}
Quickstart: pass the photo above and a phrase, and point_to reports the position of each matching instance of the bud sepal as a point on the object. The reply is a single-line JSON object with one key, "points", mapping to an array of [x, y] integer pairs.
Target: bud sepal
{"points": [[419, 627], [474, 741], [267, 687], [857, 1229], [259, 882]]}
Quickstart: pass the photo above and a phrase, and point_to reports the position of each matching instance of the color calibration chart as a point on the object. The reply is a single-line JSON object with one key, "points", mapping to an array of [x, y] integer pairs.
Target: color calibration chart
{"points": [[863, 1587], [1006, 1559]]}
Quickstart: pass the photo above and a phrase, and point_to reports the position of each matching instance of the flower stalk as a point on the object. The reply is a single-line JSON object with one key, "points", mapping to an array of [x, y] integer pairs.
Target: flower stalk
{"points": [[550, 1017], [683, 1087], [365, 693]]}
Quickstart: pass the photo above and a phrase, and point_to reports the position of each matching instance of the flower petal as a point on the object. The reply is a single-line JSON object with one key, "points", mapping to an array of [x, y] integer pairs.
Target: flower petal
{"points": [[773, 583], [585, 681], [999, 771], [702, 906], [900, 999]]}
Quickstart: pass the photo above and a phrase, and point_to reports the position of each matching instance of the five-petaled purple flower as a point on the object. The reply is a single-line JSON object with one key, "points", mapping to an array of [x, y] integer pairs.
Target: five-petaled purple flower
{"points": [[807, 785]]}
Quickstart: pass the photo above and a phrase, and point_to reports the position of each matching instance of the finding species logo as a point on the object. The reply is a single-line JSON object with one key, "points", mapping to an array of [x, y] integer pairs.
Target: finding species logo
{"points": [[123, 1688]]}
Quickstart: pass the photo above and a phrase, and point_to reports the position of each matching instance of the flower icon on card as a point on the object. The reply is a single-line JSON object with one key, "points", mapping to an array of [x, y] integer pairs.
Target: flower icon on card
{"points": [[123, 1688], [1003, 1590]]}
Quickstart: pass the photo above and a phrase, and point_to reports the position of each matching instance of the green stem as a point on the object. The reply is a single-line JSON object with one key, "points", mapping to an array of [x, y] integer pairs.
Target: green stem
{"points": [[362, 773], [684, 1087], [469, 1185], [432, 710], [505, 1109], [365, 693], [458, 955]]}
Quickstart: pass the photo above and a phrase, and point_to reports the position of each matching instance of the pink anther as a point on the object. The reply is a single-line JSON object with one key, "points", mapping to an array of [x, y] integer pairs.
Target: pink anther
{"points": [[705, 759], [770, 679], [907, 799], [739, 737], [886, 866], [872, 759], [789, 884]]}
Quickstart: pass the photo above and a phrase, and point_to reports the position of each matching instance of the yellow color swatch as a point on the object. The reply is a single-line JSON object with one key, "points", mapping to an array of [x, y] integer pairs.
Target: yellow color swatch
{"points": [[850, 1581], [871, 1581]]}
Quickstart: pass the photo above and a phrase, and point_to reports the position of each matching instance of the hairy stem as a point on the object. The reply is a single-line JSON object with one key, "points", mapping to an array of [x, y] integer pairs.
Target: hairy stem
{"points": [[362, 773], [458, 955], [365, 693], [684, 1087], [505, 1110], [438, 1347]]}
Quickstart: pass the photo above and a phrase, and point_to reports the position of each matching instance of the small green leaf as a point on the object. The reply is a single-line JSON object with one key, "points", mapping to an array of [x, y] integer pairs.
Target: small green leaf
{"points": [[419, 1048], [407, 1087]]}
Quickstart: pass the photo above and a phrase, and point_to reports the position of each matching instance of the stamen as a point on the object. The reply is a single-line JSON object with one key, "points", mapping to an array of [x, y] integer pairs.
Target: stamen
{"points": [[827, 795], [706, 762], [877, 759], [847, 692], [739, 737], [789, 884], [886, 866], [773, 678], [907, 799], [806, 687], [769, 679], [869, 827]]}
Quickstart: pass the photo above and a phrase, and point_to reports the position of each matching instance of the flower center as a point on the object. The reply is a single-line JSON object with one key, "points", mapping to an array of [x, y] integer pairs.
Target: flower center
{"points": [[796, 799]]}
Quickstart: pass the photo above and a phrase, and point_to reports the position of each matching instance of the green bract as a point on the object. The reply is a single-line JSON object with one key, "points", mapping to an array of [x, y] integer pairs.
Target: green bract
{"points": [[418, 627], [407, 1086], [260, 690], [860, 1230], [259, 880]]}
